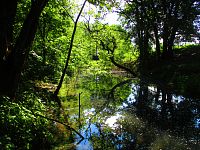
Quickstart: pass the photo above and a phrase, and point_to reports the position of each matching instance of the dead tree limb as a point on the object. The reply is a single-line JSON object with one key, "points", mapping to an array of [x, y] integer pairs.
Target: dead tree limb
{"points": [[67, 126]]}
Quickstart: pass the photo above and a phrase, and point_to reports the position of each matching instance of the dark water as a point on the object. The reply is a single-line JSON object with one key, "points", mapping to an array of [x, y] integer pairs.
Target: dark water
{"points": [[123, 113]]}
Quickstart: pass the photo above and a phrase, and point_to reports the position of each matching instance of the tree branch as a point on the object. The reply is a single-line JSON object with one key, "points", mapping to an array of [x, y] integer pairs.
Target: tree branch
{"points": [[67, 126], [112, 57]]}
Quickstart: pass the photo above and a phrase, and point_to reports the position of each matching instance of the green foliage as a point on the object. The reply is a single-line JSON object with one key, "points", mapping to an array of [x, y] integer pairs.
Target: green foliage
{"points": [[48, 52], [150, 21], [36, 70], [23, 8], [20, 127], [103, 3], [116, 39]]}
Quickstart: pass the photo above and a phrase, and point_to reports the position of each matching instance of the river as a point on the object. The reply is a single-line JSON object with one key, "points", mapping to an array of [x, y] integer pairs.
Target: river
{"points": [[114, 112]]}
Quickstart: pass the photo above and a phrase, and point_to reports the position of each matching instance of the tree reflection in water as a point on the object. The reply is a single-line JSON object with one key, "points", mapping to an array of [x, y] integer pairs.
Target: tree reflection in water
{"points": [[133, 114]]}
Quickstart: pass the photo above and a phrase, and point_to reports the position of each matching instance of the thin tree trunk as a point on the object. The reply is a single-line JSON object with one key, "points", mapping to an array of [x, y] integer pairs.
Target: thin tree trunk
{"points": [[165, 41], [171, 41], [69, 52], [42, 31], [157, 42]]}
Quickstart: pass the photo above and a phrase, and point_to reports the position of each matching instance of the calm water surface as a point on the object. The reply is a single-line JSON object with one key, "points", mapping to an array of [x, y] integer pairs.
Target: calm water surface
{"points": [[122, 113]]}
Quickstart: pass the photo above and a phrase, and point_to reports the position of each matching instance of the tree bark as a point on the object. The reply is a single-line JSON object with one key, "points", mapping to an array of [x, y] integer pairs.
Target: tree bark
{"points": [[157, 41], [165, 41], [7, 15], [12, 64]]}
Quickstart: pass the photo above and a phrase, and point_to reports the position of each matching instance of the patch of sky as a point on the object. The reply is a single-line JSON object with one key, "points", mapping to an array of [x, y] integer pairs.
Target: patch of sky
{"points": [[90, 11]]}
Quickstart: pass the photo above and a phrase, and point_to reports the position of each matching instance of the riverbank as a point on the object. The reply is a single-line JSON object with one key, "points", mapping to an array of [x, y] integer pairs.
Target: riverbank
{"points": [[182, 73]]}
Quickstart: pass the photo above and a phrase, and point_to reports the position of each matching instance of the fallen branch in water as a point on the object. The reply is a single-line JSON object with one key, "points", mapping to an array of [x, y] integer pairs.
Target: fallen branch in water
{"points": [[67, 126]]}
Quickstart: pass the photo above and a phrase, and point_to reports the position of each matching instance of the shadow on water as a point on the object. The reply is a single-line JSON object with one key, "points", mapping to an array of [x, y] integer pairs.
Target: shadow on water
{"points": [[116, 113]]}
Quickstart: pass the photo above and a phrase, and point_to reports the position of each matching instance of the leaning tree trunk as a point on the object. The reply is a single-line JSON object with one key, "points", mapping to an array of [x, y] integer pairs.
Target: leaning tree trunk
{"points": [[69, 52], [16, 53]]}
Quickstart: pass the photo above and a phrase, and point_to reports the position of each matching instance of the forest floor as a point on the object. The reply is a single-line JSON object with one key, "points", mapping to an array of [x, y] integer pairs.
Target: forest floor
{"points": [[182, 73]]}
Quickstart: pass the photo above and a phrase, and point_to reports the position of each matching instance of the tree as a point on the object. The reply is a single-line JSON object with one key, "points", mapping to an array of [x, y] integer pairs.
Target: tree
{"points": [[15, 49], [69, 52], [149, 20], [48, 51], [178, 16], [138, 25], [115, 42]]}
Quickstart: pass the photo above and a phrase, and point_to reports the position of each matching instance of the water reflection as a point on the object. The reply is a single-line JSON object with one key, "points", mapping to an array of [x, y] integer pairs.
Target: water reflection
{"points": [[197, 123], [94, 130], [132, 114]]}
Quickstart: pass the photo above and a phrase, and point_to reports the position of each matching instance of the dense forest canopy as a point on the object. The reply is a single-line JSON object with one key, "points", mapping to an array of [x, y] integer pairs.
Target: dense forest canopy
{"points": [[44, 44]]}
